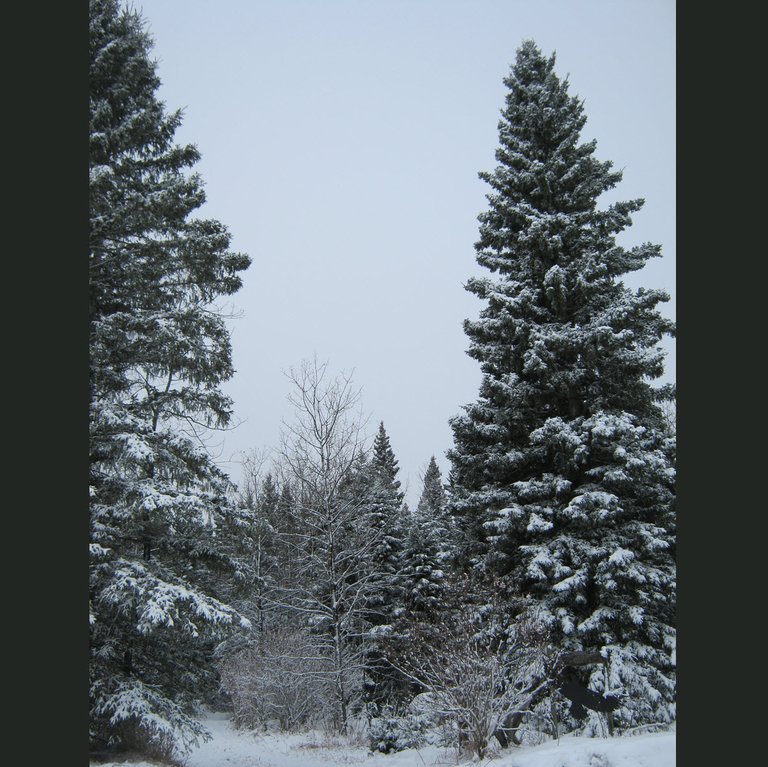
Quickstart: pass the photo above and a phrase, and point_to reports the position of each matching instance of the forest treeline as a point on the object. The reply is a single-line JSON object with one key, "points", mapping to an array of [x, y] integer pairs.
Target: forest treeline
{"points": [[532, 589]]}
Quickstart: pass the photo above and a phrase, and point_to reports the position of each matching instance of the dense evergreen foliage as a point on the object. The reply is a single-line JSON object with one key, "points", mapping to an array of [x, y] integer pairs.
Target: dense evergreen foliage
{"points": [[562, 471], [160, 518], [386, 525], [428, 548]]}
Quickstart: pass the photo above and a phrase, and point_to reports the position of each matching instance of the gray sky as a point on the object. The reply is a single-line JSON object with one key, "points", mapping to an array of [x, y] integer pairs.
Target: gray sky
{"points": [[341, 141]]}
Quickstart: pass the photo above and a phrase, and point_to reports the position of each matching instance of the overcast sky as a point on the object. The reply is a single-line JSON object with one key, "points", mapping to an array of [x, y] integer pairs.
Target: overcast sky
{"points": [[341, 142]]}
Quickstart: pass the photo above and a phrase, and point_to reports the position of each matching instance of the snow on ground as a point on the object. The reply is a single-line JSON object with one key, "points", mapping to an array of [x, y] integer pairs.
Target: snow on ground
{"points": [[240, 748]]}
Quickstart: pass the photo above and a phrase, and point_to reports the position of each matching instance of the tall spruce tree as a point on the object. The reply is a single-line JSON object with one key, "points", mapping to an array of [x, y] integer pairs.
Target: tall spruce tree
{"points": [[160, 514], [385, 524], [428, 546], [432, 501], [261, 547], [385, 518], [562, 472]]}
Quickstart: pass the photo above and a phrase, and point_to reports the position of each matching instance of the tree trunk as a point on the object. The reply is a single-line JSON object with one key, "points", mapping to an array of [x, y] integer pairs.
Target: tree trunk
{"points": [[581, 658], [340, 690], [508, 730], [555, 723]]}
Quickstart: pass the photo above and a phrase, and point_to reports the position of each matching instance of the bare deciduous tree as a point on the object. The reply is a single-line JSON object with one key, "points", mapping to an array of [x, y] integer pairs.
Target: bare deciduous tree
{"points": [[321, 451]]}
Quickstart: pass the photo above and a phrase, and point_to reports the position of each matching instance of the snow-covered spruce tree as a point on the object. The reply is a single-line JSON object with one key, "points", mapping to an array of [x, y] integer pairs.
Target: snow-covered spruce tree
{"points": [[432, 501], [427, 548], [562, 471], [385, 524], [385, 519], [160, 518], [425, 555], [260, 545]]}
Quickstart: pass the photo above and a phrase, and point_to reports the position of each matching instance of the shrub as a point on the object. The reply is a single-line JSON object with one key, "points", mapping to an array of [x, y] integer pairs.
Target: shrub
{"points": [[390, 731]]}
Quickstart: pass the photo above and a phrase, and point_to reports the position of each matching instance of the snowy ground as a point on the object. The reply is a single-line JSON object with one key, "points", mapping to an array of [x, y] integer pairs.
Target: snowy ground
{"points": [[233, 748]]}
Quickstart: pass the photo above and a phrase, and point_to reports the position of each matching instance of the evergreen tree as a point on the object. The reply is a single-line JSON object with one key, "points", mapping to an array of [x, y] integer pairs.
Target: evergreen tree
{"points": [[384, 461], [160, 512], [427, 548], [260, 546], [286, 517], [385, 519], [562, 471], [385, 524], [432, 501]]}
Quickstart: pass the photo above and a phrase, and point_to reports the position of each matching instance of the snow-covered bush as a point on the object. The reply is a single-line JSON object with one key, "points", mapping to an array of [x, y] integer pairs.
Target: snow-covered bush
{"points": [[280, 680], [476, 673], [390, 731]]}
